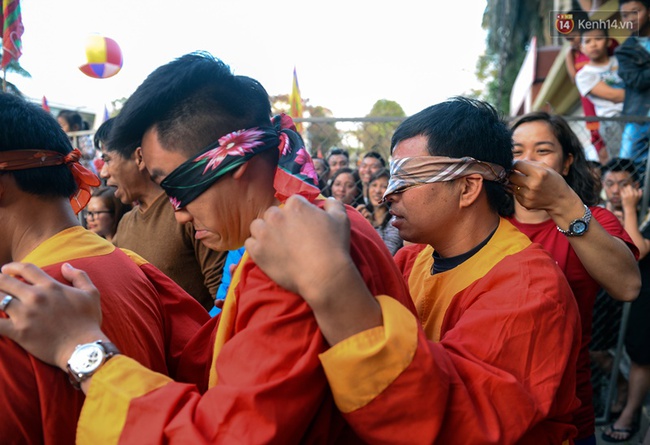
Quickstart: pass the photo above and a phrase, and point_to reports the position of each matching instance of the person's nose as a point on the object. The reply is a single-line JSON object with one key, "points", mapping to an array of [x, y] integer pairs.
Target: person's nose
{"points": [[527, 156], [103, 173], [182, 216]]}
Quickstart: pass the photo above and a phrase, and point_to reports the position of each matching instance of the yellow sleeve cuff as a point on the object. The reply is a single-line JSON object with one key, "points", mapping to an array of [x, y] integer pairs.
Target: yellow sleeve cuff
{"points": [[111, 391], [362, 366]]}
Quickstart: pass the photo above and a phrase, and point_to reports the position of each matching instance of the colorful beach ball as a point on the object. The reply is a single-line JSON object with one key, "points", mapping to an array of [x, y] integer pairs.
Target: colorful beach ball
{"points": [[103, 57]]}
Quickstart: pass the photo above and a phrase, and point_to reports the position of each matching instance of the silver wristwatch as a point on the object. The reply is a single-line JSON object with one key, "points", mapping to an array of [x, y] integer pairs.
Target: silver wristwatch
{"points": [[87, 359], [578, 227]]}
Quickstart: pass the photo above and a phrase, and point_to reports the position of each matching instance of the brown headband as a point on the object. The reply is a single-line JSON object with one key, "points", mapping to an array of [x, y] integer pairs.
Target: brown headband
{"points": [[24, 159]]}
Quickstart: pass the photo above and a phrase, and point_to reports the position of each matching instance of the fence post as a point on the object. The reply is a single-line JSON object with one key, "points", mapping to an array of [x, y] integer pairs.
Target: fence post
{"points": [[613, 378]]}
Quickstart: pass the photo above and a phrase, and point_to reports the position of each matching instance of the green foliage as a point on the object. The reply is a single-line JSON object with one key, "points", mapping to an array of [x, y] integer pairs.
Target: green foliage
{"points": [[280, 104], [323, 135], [117, 105], [376, 135], [12, 67], [511, 24]]}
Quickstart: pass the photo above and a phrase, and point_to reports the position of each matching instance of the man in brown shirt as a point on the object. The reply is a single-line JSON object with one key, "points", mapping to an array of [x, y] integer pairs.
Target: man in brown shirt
{"points": [[150, 230]]}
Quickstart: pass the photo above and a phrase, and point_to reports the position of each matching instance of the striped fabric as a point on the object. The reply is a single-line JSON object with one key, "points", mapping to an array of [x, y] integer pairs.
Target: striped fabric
{"points": [[406, 173]]}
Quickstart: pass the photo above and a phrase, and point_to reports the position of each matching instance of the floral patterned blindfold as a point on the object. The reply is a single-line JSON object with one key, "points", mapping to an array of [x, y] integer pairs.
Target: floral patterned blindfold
{"points": [[406, 173], [197, 174]]}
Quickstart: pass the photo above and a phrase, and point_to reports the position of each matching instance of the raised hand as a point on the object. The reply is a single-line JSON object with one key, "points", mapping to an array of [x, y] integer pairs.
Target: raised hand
{"points": [[299, 236], [537, 186], [630, 197], [307, 250]]}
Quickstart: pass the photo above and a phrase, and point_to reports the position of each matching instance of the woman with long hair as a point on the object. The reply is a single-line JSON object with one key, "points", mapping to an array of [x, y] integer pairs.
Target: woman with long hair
{"points": [[555, 205], [346, 187], [376, 211]]}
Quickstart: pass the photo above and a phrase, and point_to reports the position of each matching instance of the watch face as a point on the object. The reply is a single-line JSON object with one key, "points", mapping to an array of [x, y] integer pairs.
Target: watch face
{"points": [[578, 227], [86, 358]]}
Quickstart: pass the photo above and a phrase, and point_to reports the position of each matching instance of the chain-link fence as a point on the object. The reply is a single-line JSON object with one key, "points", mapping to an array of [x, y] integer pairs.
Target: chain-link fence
{"points": [[625, 138]]}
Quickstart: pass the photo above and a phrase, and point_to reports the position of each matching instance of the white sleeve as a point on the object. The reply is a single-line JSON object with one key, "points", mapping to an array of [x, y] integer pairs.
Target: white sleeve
{"points": [[586, 80]]}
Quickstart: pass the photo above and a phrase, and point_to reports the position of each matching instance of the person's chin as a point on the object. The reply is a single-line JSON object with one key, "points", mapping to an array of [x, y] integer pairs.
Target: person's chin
{"points": [[211, 244], [122, 197]]}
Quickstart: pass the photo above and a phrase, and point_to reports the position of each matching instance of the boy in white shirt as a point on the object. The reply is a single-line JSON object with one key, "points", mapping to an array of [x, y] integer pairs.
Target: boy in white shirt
{"points": [[599, 81]]}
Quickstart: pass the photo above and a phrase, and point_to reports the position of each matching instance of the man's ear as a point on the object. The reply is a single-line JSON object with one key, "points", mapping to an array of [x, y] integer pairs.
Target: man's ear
{"points": [[471, 187], [239, 171], [139, 161]]}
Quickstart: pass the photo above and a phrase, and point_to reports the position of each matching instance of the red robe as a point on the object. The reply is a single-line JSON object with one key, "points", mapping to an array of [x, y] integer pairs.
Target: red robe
{"points": [[585, 289], [266, 384], [492, 359], [146, 315]]}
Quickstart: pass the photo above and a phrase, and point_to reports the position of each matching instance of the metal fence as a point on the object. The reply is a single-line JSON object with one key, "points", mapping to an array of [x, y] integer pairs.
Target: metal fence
{"points": [[360, 135], [610, 363]]}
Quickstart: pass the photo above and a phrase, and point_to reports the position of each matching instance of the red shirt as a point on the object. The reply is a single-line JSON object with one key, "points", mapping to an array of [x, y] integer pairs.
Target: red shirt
{"points": [[585, 289]]}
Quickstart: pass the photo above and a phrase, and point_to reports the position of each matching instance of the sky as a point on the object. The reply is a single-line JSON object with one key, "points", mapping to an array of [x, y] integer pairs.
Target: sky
{"points": [[348, 54]]}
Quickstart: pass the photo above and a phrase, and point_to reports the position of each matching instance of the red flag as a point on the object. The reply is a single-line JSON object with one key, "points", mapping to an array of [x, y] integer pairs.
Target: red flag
{"points": [[45, 106], [296, 101], [12, 31]]}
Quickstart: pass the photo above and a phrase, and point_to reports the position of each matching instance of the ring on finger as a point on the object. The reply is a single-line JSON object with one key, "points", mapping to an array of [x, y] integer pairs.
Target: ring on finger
{"points": [[5, 302]]}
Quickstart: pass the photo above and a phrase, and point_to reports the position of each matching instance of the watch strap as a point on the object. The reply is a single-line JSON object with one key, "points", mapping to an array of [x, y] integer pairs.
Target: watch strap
{"points": [[110, 350]]}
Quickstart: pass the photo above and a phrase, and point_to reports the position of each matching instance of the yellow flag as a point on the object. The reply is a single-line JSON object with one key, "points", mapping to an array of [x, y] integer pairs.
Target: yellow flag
{"points": [[296, 101]]}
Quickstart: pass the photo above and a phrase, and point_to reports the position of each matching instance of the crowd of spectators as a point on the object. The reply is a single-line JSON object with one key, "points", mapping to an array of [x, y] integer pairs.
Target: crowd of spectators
{"points": [[444, 295]]}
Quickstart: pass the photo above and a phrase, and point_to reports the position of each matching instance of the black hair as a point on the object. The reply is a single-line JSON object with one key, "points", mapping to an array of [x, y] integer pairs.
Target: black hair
{"points": [[337, 151], [376, 155], [620, 165], [26, 126], [322, 180], [579, 178], [645, 3], [462, 127], [74, 120], [102, 134], [191, 102]]}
